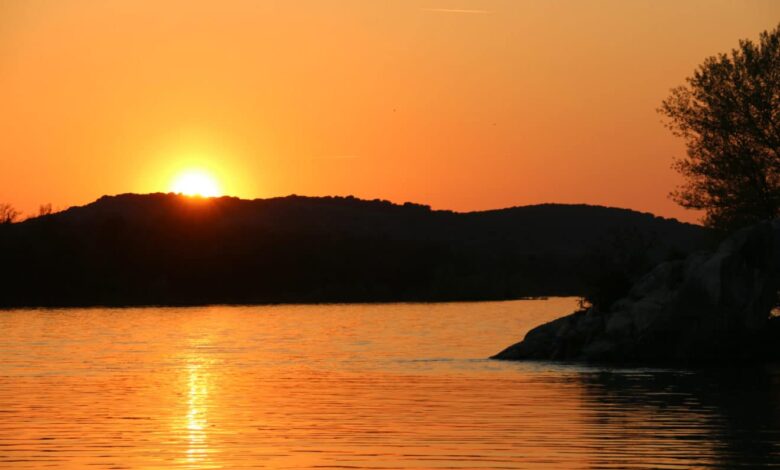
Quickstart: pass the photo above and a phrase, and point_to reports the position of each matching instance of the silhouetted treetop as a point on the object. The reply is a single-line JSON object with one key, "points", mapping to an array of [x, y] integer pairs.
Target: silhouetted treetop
{"points": [[729, 115], [8, 214]]}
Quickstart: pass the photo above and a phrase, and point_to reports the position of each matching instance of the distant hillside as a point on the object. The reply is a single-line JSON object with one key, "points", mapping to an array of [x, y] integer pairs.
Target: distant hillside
{"points": [[168, 249]]}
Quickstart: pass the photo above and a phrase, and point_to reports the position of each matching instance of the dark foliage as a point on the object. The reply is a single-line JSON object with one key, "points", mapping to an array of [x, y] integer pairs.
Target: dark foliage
{"points": [[44, 209], [168, 249], [620, 258], [8, 214], [729, 115]]}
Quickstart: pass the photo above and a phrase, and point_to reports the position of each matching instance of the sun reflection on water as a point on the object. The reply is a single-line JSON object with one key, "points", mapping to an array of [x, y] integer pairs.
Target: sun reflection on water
{"points": [[197, 418], [197, 396]]}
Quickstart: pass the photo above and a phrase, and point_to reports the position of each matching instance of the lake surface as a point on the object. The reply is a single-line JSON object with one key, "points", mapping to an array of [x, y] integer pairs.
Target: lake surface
{"points": [[354, 386]]}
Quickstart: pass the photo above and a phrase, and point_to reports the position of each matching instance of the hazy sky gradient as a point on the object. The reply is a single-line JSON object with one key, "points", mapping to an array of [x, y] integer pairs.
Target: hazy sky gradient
{"points": [[459, 104]]}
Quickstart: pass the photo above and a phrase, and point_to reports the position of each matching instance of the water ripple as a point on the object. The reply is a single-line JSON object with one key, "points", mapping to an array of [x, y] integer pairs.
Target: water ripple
{"points": [[362, 386]]}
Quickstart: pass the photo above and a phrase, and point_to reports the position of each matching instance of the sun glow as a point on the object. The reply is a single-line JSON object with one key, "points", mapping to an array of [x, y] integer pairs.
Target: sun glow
{"points": [[196, 183]]}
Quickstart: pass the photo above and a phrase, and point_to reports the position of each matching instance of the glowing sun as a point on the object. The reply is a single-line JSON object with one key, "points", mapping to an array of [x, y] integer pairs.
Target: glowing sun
{"points": [[195, 183]]}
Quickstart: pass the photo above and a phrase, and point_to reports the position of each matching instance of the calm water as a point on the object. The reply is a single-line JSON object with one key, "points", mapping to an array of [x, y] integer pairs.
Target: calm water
{"points": [[377, 386]]}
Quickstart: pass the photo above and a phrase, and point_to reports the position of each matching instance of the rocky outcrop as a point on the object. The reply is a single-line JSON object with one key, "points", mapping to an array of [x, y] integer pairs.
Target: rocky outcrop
{"points": [[707, 307]]}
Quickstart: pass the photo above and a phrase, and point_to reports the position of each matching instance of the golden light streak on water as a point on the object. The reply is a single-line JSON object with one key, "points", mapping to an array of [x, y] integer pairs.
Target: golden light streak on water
{"points": [[196, 414]]}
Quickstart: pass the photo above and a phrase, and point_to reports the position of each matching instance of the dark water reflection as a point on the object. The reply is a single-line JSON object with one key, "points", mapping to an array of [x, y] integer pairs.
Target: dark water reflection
{"points": [[362, 386], [732, 415]]}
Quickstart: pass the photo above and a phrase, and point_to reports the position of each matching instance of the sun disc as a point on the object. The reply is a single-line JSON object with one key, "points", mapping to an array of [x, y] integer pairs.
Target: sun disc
{"points": [[196, 183]]}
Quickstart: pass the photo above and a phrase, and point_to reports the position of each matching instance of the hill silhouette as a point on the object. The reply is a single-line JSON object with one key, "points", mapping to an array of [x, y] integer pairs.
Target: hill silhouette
{"points": [[168, 249]]}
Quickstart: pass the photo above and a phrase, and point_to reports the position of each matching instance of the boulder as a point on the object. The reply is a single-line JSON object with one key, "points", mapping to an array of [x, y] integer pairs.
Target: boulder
{"points": [[708, 307]]}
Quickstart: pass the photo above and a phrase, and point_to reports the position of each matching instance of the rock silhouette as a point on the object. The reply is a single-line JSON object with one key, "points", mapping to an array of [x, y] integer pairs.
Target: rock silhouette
{"points": [[709, 306]]}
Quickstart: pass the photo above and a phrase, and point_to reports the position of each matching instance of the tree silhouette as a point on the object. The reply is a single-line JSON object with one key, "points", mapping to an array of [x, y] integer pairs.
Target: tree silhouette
{"points": [[8, 214], [729, 115], [44, 209]]}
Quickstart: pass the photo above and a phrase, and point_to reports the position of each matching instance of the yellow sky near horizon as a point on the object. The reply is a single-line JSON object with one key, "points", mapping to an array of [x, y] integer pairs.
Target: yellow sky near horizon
{"points": [[460, 104]]}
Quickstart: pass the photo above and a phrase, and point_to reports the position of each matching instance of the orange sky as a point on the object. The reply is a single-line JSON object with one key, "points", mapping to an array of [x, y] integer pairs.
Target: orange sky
{"points": [[460, 104]]}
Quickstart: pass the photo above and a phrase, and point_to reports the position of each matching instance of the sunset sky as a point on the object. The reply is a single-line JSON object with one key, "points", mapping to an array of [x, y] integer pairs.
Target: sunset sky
{"points": [[460, 104]]}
